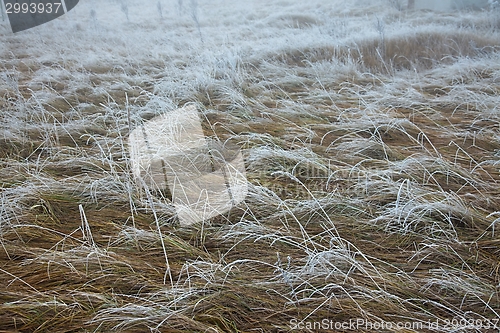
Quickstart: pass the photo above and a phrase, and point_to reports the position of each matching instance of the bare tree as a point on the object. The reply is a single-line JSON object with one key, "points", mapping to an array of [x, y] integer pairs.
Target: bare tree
{"points": [[194, 16]]}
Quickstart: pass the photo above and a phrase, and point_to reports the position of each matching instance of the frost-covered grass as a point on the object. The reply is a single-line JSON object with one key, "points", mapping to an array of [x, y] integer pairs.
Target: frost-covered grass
{"points": [[371, 138]]}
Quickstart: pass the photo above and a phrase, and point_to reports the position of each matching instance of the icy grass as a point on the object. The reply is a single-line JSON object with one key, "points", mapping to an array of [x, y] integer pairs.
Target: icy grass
{"points": [[371, 138]]}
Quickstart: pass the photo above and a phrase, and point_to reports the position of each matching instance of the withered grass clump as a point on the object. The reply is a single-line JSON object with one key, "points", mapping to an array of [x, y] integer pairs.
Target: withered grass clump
{"points": [[420, 50]]}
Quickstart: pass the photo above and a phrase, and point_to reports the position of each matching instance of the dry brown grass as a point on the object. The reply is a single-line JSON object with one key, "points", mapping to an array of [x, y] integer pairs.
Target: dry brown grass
{"points": [[229, 277], [373, 193], [421, 50]]}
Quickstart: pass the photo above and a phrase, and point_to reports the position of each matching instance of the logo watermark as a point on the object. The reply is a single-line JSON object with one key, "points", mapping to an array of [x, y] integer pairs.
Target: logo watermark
{"points": [[205, 178]]}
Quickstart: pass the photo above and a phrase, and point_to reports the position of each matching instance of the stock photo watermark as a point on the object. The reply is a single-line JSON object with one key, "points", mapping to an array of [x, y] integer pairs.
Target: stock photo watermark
{"points": [[27, 14], [357, 324]]}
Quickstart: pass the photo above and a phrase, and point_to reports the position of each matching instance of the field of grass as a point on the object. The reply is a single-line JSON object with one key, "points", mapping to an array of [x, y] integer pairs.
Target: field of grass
{"points": [[371, 139]]}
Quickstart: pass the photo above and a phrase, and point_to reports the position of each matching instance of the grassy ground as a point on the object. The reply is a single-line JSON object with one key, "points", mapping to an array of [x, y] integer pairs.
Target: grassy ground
{"points": [[371, 139]]}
